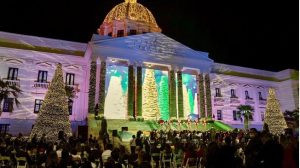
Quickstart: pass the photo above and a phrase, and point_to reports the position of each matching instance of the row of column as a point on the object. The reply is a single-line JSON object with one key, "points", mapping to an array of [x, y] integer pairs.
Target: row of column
{"points": [[135, 92]]}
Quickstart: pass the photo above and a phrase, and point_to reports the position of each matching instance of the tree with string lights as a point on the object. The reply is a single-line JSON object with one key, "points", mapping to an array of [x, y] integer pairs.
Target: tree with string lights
{"points": [[273, 116], [150, 96], [54, 116]]}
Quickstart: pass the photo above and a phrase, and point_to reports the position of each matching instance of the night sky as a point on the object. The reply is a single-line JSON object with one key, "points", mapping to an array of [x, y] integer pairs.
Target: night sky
{"points": [[261, 34]]}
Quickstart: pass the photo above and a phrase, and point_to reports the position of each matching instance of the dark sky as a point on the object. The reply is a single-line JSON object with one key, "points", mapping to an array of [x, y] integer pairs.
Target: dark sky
{"points": [[261, 34]]}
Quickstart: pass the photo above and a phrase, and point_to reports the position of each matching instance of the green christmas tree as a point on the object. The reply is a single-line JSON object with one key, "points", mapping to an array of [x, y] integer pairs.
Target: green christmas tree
{"points": [[273, 116], [164, 98], [54, 115], [150, 96]]}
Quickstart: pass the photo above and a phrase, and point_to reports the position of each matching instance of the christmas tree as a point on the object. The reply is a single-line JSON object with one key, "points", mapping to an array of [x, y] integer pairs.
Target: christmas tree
{"points": [[164, 98], [150, 96], [54, 115], [273, 116]]}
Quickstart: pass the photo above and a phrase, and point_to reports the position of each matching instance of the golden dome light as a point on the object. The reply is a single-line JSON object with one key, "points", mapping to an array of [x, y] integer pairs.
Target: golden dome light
{"points": [[132, 10]]}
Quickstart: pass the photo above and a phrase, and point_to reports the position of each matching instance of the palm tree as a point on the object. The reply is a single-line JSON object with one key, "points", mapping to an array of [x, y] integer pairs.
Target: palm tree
{"points": [[246, 111], [70, 95], [9, 91], [70, 92]]}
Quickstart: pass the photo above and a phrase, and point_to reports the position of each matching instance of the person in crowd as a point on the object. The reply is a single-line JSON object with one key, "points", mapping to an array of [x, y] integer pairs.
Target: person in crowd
{"points": [[132, 144]]}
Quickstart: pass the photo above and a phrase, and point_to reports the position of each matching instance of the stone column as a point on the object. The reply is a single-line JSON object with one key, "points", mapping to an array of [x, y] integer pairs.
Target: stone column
{"points": [[131, 91], [92, 87], [201, 96], [172, 94], [208, 96], [180, 94], [101, 99], [139, 95]]}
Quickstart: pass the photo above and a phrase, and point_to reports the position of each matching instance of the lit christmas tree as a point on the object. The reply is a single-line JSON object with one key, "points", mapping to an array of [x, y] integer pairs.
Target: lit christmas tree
{"points": [[115, 106], [273, 116], [150, 96], [54, 115], [186, 103], [164, 98]]}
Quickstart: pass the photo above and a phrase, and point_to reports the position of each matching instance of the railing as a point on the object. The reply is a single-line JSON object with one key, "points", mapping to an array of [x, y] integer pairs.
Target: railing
{"points": [[75, 87], [219, 99], [262, 102], [43, 85], [249, 101], [234, 100], [12, 82]]}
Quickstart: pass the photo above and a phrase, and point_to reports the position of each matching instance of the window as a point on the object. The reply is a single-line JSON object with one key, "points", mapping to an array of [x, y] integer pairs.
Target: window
{"points": [[219, 114], [8, 105], [232, 93], [218, 92], [120, 33], [132, 32], [234, 113], [70, 106], [247, 94], [110, 34], [70, 78], [12, 73], [37, 105], [42, 76], [262, 116], [260, 96]]}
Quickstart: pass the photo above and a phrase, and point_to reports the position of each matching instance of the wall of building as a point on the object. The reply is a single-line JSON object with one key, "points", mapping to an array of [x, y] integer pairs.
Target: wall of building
{"points": [[29, 63]]}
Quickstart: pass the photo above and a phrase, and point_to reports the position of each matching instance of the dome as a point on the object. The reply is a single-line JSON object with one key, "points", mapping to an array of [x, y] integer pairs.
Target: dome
{"points": [[132, 10]]}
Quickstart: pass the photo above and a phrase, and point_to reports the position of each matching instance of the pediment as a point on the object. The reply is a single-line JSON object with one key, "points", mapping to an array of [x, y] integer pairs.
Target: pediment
{"points": [[151, 47], [153, 44], [45, 64], [72, 67], [13, 61]]}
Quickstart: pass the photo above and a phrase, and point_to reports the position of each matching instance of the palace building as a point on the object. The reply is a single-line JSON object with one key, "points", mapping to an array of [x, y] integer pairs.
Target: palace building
{"points": [[132, 70]]}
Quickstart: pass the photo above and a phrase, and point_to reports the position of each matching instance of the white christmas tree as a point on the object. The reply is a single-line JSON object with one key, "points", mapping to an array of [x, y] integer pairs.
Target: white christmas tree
{"points": [[274, 117], [115, 107], [195, 104], [186, 101], [150, 96]]}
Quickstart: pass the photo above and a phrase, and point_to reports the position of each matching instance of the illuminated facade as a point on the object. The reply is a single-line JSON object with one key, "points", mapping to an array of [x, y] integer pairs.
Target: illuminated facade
{"points": [[140, 74]]}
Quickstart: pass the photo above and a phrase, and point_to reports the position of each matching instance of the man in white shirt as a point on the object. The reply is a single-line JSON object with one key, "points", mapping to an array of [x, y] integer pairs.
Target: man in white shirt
{"points": [[107, 153]]}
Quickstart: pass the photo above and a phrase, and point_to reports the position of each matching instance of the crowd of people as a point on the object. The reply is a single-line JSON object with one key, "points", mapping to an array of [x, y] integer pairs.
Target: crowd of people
{"points": [[210, 149]]}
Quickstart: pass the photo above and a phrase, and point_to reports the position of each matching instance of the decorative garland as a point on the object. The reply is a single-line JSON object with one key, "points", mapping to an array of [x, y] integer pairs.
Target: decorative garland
{"points": [[102, 88], [172, 93], [139, 91], [92, 87], [201, 96], [180, 94], [130, 90], [208, 96]]}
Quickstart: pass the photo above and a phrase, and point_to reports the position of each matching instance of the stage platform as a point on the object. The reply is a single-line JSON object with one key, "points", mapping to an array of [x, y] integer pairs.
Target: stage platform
{"points": [[147, 126]]}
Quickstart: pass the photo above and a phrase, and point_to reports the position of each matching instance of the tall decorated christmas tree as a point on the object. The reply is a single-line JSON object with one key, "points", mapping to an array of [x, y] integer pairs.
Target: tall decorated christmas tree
{"points": [[273, 116], [54, 116], [150, 96]]}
